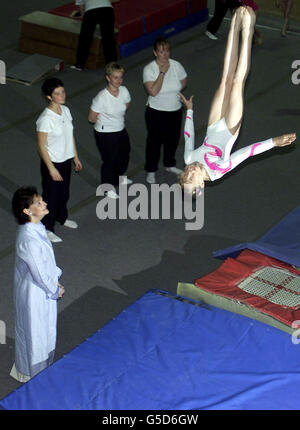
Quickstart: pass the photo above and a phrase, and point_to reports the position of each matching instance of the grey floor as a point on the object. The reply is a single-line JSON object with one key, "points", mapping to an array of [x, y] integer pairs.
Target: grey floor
{"points": [[109, 264]]}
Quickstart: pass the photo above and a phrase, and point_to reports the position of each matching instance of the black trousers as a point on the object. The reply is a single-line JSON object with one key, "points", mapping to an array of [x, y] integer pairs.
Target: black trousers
{"points": [[164, 129], [114, 149], [104, 16], [221, 8], [56, 193]]}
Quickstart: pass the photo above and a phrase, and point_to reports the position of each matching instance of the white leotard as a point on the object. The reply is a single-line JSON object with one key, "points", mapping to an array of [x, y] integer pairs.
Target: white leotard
{"points": [[215, 151]]}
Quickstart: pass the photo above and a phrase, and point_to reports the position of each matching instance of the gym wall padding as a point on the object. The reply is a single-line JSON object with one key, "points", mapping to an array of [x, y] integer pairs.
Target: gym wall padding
{"points": [[139, 23]]}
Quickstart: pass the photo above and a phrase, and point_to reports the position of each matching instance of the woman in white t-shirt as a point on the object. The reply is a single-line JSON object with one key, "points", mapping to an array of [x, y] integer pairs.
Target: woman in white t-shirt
{"points": [[107, 113], [57, 149], [163, 79]]}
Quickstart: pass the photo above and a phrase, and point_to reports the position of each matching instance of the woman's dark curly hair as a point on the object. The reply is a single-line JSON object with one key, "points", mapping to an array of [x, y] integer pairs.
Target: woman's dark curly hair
{"points": [[49, 86], [22, 199]]}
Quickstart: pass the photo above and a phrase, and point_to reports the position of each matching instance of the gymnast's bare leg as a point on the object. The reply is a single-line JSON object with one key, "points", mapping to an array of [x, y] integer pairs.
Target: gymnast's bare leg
{"points": [[228, 100]]}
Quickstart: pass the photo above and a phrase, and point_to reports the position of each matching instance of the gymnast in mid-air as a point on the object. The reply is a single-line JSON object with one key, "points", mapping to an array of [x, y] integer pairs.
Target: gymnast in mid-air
{"points": [[213, 158]]}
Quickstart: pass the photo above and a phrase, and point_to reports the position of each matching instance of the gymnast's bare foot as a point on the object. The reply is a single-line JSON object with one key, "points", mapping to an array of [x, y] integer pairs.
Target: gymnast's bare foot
{"points": [[284, 140]]}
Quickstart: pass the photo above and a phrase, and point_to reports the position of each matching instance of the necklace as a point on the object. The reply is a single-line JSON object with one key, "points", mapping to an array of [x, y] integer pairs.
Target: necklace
{"points": [[55, 108]]}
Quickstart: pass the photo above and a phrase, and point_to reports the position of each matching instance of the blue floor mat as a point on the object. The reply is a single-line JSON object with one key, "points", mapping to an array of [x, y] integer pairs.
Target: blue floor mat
{"points": [[162, 353], [282, 241]]}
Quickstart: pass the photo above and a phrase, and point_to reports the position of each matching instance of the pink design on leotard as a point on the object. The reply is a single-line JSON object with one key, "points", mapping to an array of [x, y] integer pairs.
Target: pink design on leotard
{"points": [[185, 132], [216, 153], [215, 166], [253, 148]]}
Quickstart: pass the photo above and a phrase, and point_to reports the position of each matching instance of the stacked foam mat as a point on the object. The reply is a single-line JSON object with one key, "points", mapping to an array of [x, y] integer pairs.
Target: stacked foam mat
{"points": [[138, 23]]}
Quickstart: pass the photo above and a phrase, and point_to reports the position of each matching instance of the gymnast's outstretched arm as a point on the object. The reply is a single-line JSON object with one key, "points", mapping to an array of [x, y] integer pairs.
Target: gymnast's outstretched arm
{"points": [[190, 153], [242, 154], [257, 148]]}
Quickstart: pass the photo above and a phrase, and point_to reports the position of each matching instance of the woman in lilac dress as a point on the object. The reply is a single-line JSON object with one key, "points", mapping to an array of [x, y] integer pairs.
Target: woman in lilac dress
{"points": [[36, 287]]}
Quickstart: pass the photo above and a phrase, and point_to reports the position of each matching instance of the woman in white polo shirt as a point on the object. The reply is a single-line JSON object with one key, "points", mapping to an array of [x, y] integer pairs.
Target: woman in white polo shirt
{"points": [[163, 79], [57, 148], [107, 113]]}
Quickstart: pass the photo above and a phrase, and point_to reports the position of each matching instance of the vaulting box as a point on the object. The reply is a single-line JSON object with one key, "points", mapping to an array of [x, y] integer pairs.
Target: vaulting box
{"points": [[56, 36]]}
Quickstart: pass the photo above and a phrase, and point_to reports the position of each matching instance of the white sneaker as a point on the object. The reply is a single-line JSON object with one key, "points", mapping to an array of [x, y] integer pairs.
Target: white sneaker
{"points": [[174, 170], [111, 194], [210, 35], [126, 181], [150, 178], [76, 68], [71, 224], [52, 237]]}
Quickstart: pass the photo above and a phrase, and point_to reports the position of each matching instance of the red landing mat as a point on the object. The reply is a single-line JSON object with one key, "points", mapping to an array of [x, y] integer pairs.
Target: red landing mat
{"points": [[261, 282]]}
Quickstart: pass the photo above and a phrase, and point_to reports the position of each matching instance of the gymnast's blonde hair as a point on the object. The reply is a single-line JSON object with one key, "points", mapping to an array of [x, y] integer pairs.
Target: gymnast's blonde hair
{"points": [[186, 177]]}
